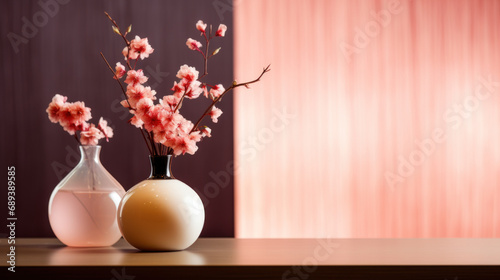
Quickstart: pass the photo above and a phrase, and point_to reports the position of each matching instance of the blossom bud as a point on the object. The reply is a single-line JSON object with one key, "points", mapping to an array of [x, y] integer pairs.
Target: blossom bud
{"points": [[201, 26], [221, 31], [193, 44], [115, 29], [216, 51]]}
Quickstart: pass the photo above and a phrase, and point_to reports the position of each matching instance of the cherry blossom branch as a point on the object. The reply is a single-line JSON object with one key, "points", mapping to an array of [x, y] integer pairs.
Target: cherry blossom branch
{"points": [[234, 85], [118, 80], [180, 101], [77, 140], [205, 70], [116, 25], [140, 47], [149, 141], [148, 144], [205, 55], [126, 98], [151, 138], [117, 30]]}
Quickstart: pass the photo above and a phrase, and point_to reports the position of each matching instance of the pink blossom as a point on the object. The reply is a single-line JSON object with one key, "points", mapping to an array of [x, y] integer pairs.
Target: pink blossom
{"points": [[149, 93], [65, 116], [135, 77], [221, 31], [178, 89], [91, 136], [205, 90], [216, 91], [162, 116], [165, 137], [153, 118], [185, 145], [170, 139], [191, 88], [143, 106], [140, 48], [193, 44], [79, 112], [195, 136], [105, 129], [137, 122], [137, 92], [188, 73], [215, 113], [125, 104], [58, 101], [184, 126], [125, 52], [134, 94], [171, 122], [160, 136], [72, 128], [119, 71], [170, 102], [201, 26], [206, 131], [74, 113], [194, 90], [73, 117]]}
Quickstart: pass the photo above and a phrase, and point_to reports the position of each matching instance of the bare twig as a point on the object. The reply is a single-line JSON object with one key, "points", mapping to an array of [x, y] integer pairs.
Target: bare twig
{"points": [[234, 85], [123, 36], [118, 80]]}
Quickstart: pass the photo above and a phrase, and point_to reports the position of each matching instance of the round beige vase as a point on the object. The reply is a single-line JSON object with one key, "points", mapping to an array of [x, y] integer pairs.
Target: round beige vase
{"points": [[161, 213]]}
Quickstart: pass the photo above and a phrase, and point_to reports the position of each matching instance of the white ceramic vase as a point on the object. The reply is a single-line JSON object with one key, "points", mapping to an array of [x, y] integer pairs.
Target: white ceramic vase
{"points": [[161, 213]]}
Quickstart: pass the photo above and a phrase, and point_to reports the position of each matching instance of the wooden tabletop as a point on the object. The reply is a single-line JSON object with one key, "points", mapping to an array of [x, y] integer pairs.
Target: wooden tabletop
{"points": [[229, 258]]}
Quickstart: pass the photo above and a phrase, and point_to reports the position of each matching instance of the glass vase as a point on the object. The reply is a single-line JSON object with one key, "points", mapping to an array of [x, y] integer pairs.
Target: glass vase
{"points": [[82, 207]]}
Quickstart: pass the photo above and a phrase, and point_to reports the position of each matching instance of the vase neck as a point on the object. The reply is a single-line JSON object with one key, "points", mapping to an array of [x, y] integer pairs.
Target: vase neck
{"points": [[160, 167], [90, 154]]}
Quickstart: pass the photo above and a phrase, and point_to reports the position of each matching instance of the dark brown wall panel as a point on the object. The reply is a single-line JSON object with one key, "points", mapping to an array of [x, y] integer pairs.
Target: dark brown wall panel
{"points": [[60, 54]]}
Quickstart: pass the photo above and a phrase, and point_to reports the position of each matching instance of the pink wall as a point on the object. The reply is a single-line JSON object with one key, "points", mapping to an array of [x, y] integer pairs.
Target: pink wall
{"points": [[349, 99]]}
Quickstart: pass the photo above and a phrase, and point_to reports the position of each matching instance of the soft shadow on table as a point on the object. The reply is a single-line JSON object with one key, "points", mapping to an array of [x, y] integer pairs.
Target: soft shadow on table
{"points": [[113, 256], [74, 256], [184, 257]]}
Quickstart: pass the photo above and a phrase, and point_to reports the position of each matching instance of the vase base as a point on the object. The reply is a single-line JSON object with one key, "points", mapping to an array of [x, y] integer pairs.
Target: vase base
{"points": [[78, 218]]}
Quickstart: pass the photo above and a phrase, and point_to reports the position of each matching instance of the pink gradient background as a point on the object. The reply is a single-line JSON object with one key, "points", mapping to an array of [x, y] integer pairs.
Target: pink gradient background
{"points": [[323, 172]]}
